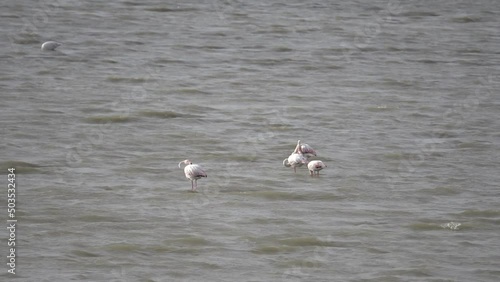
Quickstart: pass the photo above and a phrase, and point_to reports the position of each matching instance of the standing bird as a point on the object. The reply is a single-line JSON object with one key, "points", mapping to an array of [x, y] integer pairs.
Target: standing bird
{"points": [[50, 45], [315, 166], [193, 172], [296, 159]]}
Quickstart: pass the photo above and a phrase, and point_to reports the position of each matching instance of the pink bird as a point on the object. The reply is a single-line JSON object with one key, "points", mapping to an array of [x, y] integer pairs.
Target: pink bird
{"points": [[193, 172], [307, 150], [315, 166], [296, 159]]}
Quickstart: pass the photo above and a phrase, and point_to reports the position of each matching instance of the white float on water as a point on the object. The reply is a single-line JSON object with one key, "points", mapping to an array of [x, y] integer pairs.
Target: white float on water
{"points": [[50, 45]]}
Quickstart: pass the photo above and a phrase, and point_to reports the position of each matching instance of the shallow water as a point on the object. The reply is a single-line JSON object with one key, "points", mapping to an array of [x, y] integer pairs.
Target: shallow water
{"points": [[399, 100]]}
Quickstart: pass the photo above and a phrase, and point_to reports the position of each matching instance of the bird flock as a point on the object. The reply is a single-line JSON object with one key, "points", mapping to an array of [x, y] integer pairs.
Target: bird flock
{"points": [[299, 157]]}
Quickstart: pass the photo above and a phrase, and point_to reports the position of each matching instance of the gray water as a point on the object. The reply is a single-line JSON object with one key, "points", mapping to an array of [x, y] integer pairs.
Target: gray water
{"points": [[399, 98]]}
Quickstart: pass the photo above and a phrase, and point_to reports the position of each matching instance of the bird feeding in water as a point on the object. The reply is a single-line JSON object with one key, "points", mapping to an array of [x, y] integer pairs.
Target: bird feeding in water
{"points": [[296, 159], [193, 172], [315, 166], [50, 45]]}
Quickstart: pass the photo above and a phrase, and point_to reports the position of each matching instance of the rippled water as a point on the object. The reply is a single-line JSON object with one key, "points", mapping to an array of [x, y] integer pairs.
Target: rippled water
{"points": [[399, 99]]}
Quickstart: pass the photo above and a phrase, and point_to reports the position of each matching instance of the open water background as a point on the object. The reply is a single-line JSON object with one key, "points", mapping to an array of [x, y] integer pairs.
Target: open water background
{"points": [[399, 98]]}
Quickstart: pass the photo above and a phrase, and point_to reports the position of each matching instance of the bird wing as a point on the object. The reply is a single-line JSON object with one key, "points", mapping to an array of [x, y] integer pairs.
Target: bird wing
{"points": [[306, 149], [297, 159], [197, 171]]}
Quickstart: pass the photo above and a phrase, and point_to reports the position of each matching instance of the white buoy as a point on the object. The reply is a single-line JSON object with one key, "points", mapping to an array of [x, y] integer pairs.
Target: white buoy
{"points": [[50, 45]]}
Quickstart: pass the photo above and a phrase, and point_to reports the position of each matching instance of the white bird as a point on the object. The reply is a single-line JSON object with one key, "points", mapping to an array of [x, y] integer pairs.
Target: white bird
{"points": [[315, 166], [50, 45], [193, 172], [296, 159]]}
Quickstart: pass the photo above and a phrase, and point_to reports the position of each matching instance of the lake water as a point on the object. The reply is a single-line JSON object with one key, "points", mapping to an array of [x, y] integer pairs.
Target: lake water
{"points": [[399, 98]]}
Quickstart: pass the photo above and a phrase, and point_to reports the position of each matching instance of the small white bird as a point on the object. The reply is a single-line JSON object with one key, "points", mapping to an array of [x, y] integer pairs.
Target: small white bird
{"points": [[315, 166], [296, 159], [50, 45], [193, 172]]}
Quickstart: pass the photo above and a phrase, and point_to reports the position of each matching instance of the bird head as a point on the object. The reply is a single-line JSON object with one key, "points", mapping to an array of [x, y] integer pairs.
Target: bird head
{"points": [[186, 162]]}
